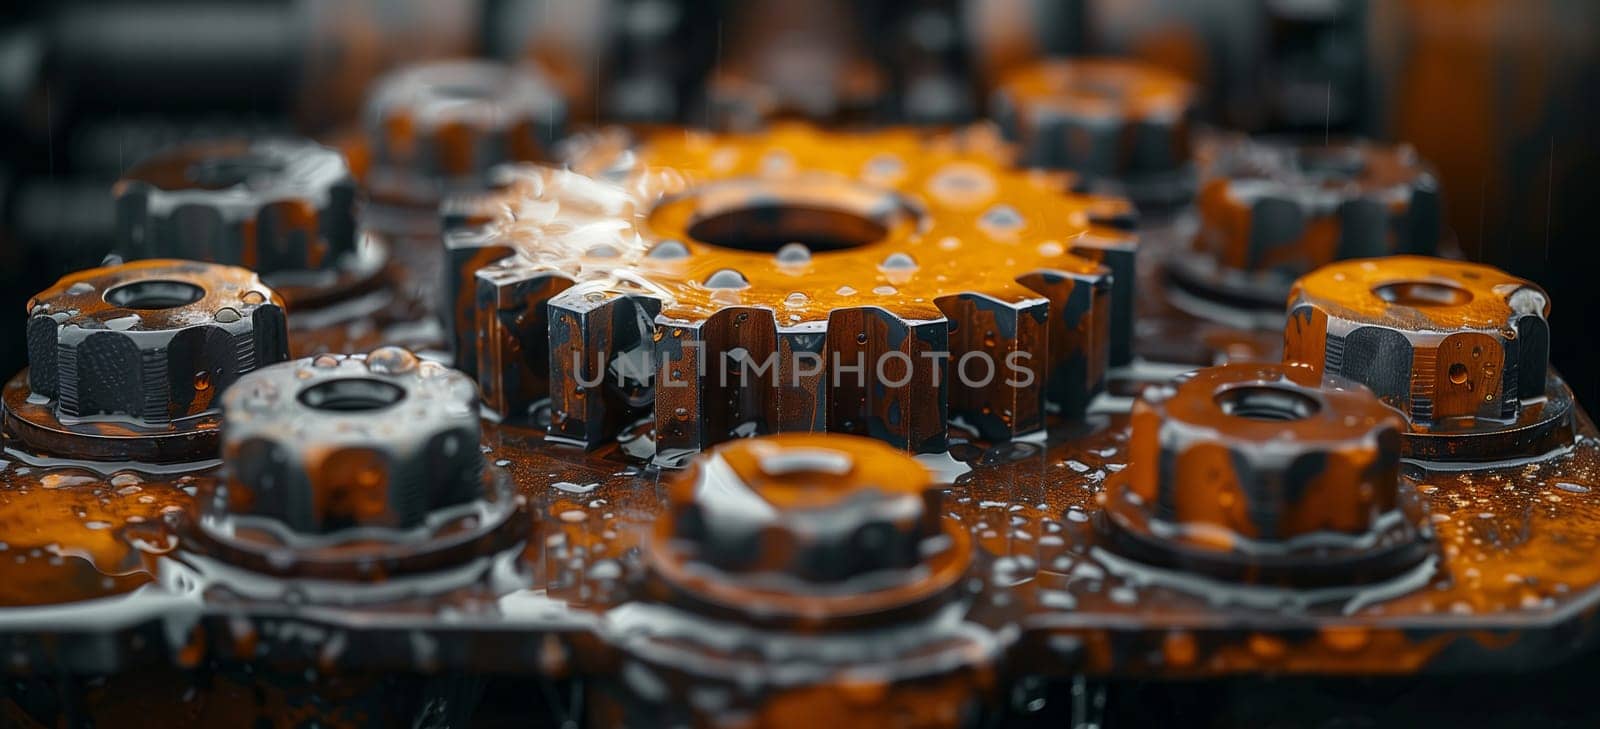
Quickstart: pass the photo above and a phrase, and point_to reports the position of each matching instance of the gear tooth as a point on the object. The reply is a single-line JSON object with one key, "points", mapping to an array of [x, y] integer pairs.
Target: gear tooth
{"points": [[906, 405], [1079, 338], [512, 333], [802, 394], [1120, 254], [465, 252], [600, 347], [715, 380], [1004, 397]]}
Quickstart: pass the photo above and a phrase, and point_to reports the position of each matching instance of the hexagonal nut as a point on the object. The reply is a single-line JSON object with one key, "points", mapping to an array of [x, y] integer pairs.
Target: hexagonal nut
{"points": [[814, 508], [335, 442], [1250, 466], [150, 341], [1283, 208], [1438, 340], [1103, 118], [1260, 453], [444, 124], [281, 207]]}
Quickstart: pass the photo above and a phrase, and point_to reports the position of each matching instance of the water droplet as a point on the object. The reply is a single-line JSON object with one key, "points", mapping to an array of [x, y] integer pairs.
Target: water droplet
{"points": [[1001, 218], [796, 300], [898, 262], [80, 288], [885, 290], [253, 297], [227, 315], [325, 361], [845, 291], [202, 381], [794, 254], [885, 165], [391, 361], [669, 250], [602, 251], [727, 278]]}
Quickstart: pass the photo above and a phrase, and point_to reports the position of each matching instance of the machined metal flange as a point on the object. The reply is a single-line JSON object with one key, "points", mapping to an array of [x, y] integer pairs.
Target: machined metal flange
{"points": [[1267, 474], [1122, 125], [355, 467], [1272, 210], [1461, 349], [437, 127], [283, 208], [126, 361]]}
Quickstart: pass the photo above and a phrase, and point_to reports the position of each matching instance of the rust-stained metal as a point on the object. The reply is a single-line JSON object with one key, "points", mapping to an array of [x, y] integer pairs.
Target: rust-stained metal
{"points": [[344, 466], [1460, 349], [1269, 474], [1272, 210], [439, 126], [284, 208], [1116, 122], [354, 557], [778, 281], [125, 361]]}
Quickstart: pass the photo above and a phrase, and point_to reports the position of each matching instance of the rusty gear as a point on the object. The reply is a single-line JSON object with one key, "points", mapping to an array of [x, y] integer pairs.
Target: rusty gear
{"points": [[1458, 348], [281, 207], [1271, 211], [1111, 121], [440, 126], [857, 252], [1270, 474], [125, 361]]}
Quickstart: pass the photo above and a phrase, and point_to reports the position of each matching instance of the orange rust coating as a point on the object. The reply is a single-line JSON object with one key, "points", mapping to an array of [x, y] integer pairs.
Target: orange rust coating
{"points": [[1128, 91], [71, 534], [1349, 290], [1461, 321], [871, 465], [929, 191], [1194, 465], [224, 287], [806, 484], [1226, 203]]}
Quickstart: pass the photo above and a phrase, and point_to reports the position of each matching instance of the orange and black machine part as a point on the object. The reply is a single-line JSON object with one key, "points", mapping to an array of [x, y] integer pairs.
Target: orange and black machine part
{"points": [[936, 382]]}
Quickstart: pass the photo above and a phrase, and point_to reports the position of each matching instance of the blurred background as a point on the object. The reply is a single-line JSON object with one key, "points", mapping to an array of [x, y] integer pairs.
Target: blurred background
{"points": [[1502, 96]]}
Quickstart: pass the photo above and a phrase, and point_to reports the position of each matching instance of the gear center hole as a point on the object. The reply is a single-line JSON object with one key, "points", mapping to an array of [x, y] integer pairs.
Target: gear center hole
{"points": [[156, 294], [1262, 402], [766, 227], [1417, 294], [352, 395]]}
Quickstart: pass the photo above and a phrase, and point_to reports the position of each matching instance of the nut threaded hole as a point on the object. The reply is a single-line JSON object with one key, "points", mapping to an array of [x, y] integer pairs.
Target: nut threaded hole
{"points": [[351, 395], [1419, 294], [1261, 402], [154, 294]]}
